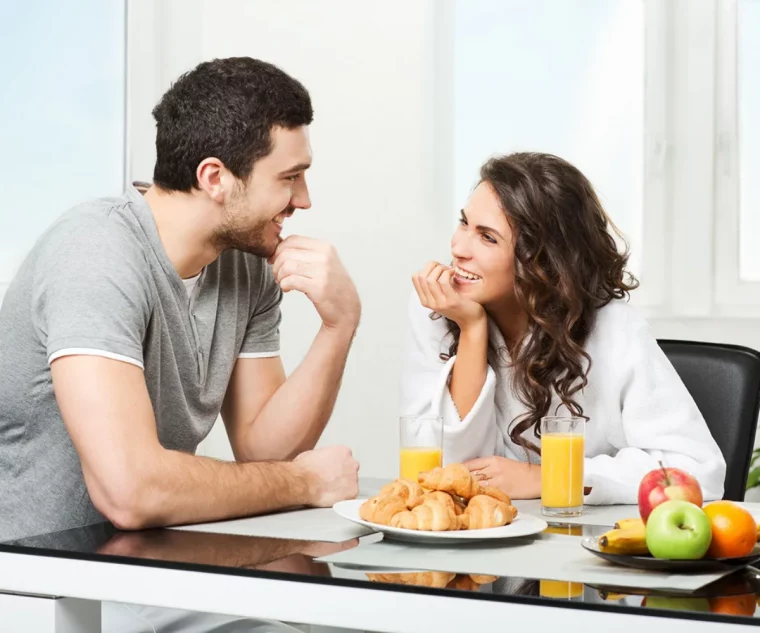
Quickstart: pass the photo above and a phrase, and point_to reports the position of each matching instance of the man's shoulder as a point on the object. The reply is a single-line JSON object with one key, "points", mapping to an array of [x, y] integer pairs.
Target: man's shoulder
{"points": [[94, 230]]}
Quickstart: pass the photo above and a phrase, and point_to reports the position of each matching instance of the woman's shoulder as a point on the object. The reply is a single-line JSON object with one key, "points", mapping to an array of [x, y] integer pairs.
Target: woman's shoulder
{"points": [[618, 327], [620, 312]]}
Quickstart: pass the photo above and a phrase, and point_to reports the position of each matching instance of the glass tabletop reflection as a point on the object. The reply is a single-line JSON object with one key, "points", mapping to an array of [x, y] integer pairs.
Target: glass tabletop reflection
{"points": [[731, 598]]}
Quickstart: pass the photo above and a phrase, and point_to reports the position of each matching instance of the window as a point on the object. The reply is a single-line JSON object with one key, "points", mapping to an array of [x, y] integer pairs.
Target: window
{"points": [[561, 77], [749, 139], [63, 115], [658, 103]]}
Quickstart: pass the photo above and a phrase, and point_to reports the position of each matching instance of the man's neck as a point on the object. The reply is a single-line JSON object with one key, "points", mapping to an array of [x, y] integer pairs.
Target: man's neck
{"points": [[186, 227]]}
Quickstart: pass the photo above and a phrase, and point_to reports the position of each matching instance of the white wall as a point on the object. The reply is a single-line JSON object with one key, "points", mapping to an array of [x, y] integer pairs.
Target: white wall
{"points": [[380, 77], [382, 90], [370, 70]]}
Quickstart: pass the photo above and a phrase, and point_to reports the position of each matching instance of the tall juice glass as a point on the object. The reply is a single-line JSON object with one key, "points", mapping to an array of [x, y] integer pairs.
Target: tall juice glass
{"points": [[559, 589], [562, 457], [421, 445]]}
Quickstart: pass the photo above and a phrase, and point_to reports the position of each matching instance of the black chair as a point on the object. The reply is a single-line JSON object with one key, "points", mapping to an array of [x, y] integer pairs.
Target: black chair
{"points": [[724, 381]]}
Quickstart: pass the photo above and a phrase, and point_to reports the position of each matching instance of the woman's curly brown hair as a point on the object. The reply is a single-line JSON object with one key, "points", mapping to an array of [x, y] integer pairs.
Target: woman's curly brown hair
{"points": [[567, 266]]}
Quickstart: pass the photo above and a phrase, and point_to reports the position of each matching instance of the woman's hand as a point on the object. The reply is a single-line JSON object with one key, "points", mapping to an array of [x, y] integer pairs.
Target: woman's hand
{"points": [[436, 292], [519, 480]]}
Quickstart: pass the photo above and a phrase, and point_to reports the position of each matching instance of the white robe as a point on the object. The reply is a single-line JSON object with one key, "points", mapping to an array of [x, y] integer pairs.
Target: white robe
{"points": [[640, 412]]}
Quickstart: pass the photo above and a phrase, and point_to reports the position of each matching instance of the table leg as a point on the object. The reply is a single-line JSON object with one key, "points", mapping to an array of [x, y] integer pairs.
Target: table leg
{"points": [[48, 614]]}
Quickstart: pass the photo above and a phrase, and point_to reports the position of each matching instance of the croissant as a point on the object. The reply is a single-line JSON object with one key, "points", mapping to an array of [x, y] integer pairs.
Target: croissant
{"points": [[463, 583], [437, 579], [431, 514], [486, 512], [410, 491], [483, 579], [381, 509], [496, 494], [445, 498], [459, 504], [454, 479], [470, 582]]}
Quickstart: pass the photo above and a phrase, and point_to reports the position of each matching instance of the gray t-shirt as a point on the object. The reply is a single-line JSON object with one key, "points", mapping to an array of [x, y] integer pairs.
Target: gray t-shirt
{"points": [[99, 282]]}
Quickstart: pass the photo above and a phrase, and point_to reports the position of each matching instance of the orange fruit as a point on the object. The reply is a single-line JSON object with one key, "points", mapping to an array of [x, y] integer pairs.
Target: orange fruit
{"points": [[734, 605], [734, 531]]}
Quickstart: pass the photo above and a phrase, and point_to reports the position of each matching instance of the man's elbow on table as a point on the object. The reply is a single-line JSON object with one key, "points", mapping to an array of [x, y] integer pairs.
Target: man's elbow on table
{"points": [[127, 500]]}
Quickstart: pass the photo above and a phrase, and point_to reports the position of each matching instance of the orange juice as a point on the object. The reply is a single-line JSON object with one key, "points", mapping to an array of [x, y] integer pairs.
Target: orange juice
{"points": [[560, 589], [562, 457], [569, 530], [418, 460]]}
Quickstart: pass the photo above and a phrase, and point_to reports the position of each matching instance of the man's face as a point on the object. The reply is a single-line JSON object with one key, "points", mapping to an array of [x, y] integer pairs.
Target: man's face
{"points": [[256, 210]]}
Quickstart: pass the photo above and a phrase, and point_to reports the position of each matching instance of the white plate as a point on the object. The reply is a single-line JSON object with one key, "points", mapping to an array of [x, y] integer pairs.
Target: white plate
{"points": [[523, 525]]}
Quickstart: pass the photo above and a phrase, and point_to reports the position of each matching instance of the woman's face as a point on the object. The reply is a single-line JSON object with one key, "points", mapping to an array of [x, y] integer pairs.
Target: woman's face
{"points": [[482, 251]]}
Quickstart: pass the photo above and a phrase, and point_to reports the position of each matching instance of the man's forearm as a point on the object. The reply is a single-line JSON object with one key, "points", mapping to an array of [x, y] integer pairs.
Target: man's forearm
{"points": [[176, 488], [183, 546], [295, 416]]}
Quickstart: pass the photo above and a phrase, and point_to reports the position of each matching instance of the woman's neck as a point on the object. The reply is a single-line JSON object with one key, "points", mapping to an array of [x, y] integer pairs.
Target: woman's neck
{"points": [[511, 320]]}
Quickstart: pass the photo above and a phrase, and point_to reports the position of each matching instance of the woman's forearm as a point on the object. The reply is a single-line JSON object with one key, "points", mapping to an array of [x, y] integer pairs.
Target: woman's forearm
{"points": [[470, 367]]}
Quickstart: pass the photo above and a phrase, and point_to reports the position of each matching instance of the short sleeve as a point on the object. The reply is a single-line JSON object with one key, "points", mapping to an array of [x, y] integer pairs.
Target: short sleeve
{"points": [[262, 336], [92, 290]]}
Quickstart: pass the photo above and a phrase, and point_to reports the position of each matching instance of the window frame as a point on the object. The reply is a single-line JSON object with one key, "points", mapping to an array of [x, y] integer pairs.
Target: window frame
{"points": [[734, 296]]}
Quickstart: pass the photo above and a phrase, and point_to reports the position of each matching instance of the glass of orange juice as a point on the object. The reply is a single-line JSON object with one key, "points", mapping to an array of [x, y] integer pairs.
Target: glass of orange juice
{"points": [[562, 457], [560, 590], [421, 444]]}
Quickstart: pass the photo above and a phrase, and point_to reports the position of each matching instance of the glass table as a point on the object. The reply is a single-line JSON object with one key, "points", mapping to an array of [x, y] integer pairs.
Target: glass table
{"points": [[65, 577]]}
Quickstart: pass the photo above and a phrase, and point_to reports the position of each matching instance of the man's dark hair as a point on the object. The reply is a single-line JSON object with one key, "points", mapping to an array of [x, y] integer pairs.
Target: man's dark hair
{"points": [[225, 108]]}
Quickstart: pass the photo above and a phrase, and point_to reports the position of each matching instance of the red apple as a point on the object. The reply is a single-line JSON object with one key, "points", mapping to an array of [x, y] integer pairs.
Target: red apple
{"points": [[663, 484]]}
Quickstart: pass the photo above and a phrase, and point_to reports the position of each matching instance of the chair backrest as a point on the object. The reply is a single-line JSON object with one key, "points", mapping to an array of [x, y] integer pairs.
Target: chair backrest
{"points": [[724, 381]]}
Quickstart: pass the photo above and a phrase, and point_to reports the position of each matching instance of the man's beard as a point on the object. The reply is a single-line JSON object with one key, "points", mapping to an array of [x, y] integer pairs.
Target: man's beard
{"points": [[251, 240]]}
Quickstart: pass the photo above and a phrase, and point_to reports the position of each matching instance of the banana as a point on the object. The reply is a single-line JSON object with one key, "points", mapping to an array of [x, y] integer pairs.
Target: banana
{"points": [[625, 524], [630, 541]]}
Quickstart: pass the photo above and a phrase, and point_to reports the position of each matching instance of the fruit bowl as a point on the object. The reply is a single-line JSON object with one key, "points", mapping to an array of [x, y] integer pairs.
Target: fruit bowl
{"points": [[648, 562]]}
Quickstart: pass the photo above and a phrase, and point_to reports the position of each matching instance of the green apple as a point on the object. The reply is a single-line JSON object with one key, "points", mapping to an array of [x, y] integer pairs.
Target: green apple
{"points": [[678, 530], [677, 603]]}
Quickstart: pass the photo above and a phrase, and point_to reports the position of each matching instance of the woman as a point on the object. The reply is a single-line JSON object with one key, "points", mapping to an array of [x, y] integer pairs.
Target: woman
{"points": [[531, 319]]}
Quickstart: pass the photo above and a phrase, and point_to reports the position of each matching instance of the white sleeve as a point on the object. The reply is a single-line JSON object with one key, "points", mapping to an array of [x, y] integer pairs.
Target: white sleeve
{"points": [[660, 422], [425, 390]]}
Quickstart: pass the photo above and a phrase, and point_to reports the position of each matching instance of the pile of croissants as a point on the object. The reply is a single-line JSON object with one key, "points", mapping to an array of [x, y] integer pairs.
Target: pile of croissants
{"points": [[442, 499], [437, 579]]}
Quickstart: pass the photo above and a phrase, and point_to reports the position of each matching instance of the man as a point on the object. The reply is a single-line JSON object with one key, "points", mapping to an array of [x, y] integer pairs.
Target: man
{"points": [[134, 321]]}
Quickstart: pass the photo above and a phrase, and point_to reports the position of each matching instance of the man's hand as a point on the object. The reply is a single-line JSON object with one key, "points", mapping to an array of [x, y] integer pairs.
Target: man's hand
{"points": [[332, 474], [313, 268], [436, 292], [519, 480]]}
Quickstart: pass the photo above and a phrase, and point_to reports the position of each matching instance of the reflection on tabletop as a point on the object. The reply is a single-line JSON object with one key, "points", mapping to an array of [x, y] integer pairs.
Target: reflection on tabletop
{"points": [[737, 594], [225, 550], [191, 548]]}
